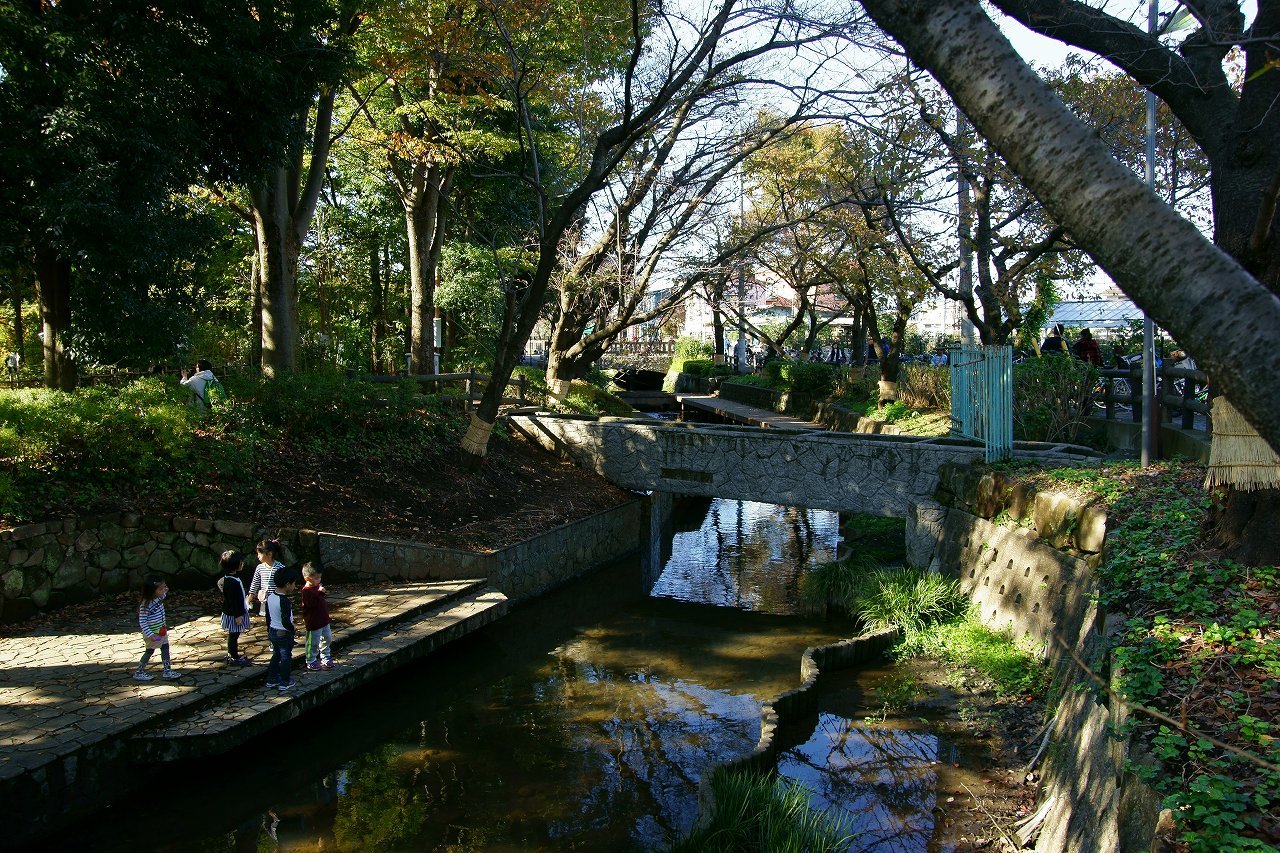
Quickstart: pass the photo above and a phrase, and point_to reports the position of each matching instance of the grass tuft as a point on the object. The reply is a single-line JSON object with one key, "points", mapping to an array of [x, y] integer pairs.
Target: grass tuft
{"points": [[758, 814]]}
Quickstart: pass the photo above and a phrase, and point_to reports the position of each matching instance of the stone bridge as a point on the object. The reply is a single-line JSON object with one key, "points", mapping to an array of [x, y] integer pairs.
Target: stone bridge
{"points": [[818, 469]]}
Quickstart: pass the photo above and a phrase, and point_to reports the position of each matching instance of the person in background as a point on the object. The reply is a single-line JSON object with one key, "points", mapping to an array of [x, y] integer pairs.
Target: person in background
{"points": [[1086, 349], [281, 630], [315, 615], [1054, 343], [151, 621], [197, 381]]}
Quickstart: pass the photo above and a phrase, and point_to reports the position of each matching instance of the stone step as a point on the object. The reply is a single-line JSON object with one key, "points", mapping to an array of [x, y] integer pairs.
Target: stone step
{"points": [[237, 716]]}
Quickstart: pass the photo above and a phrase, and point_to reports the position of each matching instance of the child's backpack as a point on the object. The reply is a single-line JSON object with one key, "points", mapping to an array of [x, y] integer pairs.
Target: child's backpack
{"points": [[215, 393]]}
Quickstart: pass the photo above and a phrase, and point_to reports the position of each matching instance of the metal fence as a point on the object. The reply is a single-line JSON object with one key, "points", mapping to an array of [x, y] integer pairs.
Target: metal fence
{"points": [[982, 397]]}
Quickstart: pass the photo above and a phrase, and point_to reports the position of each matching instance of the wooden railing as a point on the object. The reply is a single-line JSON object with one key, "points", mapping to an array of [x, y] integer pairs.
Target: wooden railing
{"points": [[473, 384], [1181, 393]]}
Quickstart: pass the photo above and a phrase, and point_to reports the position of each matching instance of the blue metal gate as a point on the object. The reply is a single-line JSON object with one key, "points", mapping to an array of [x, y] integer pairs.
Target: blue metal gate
{"points": [[982, 397]]}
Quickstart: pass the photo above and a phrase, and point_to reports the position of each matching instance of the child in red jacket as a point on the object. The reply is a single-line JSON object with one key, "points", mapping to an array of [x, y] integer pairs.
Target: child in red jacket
{"points": [[315, 613]]}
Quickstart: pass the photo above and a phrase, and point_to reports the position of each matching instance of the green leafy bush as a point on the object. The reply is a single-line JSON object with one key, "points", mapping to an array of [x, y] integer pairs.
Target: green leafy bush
{"points": [[706, 367], [99, 440], [142, 438], [1052, 397], [808, 377], [892, 413], [925, 388]]}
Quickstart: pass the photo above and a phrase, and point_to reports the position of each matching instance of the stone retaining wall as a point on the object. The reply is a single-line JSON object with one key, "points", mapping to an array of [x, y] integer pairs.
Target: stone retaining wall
{"points": [[782, 402], [53, 563], [76, 558], [1027, 560], [521, 571]]}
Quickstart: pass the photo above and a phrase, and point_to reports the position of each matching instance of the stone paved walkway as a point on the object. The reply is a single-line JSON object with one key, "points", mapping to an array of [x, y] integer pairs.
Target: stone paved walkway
{"points": [[67, 686]]}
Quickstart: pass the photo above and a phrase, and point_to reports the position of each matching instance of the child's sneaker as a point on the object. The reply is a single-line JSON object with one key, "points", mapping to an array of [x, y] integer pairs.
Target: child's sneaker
{"points": [[289, 686], [313, 665], [242, 661], [169, 673], [142, 676], [273, 685], [328, 665]]}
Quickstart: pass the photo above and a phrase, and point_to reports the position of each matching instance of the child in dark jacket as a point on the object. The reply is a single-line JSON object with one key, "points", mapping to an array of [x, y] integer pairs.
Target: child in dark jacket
{"points": [[315, 613], [281, 630]]}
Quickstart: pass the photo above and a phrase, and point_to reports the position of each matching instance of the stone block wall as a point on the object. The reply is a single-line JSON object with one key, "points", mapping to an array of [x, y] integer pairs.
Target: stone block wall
{"points": [[76, 558], [1026, 559], [782, 402], [53, 563], [521, 571]]}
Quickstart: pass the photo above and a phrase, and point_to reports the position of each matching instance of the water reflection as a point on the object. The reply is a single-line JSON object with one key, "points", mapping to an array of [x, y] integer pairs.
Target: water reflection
{"points": [[745, 554], [881, 775]]}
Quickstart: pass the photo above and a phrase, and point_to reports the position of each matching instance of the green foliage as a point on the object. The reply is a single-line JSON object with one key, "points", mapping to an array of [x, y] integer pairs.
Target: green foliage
{"points": [[884, 597], [969, 644], [753, 379], [691, 348], [808, 377], [706, 367], [143, 438], [1197, 628], [925, 388], [892, 413], [1052, 396], [756, 814], [587, 399], [97, 441]]}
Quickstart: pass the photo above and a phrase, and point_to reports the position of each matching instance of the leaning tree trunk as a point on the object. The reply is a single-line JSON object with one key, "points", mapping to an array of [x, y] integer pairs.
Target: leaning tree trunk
{"points": [[1188, 285], [53, 291]]}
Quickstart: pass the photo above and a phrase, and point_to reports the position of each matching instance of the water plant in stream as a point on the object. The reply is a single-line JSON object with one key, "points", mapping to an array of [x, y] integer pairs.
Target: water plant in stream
{"points": [[760, 813]]}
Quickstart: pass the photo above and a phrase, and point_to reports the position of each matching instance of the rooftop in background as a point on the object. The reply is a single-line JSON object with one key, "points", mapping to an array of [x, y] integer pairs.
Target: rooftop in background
{"points": [[1096, 314]]}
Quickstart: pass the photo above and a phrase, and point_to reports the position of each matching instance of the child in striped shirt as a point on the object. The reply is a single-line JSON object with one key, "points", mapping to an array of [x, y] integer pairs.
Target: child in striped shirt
{"points": [[151, 621], [264, 576]]}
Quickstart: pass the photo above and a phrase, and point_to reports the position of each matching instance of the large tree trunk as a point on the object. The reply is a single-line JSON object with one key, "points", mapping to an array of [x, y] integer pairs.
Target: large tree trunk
{"points": [[53, 291], [255, 297], [377, 309], [282, 211], [425, 223], [19, 329], [279, 251], [1189, 286]]}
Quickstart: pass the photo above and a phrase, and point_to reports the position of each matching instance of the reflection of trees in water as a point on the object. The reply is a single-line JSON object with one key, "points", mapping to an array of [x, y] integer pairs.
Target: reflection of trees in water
{"points": [[558, 757], [748, 555], [880, 779]]}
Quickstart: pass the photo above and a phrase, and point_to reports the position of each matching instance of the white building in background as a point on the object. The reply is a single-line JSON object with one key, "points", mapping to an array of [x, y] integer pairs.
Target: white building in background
{"points": [[937, 317]]}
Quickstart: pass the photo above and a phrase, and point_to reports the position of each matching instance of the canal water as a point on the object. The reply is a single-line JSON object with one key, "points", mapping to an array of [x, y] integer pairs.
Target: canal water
{"points": [[582, 721]]}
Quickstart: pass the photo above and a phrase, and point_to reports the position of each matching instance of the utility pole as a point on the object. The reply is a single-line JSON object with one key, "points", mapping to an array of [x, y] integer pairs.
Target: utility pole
{"points": [[740, 351], [1150, 413]]}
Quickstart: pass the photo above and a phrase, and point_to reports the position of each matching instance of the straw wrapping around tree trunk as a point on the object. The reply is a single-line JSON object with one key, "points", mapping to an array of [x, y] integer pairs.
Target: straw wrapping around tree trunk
{"points": [[476, 441], [1238, 456], [888, 391]]}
